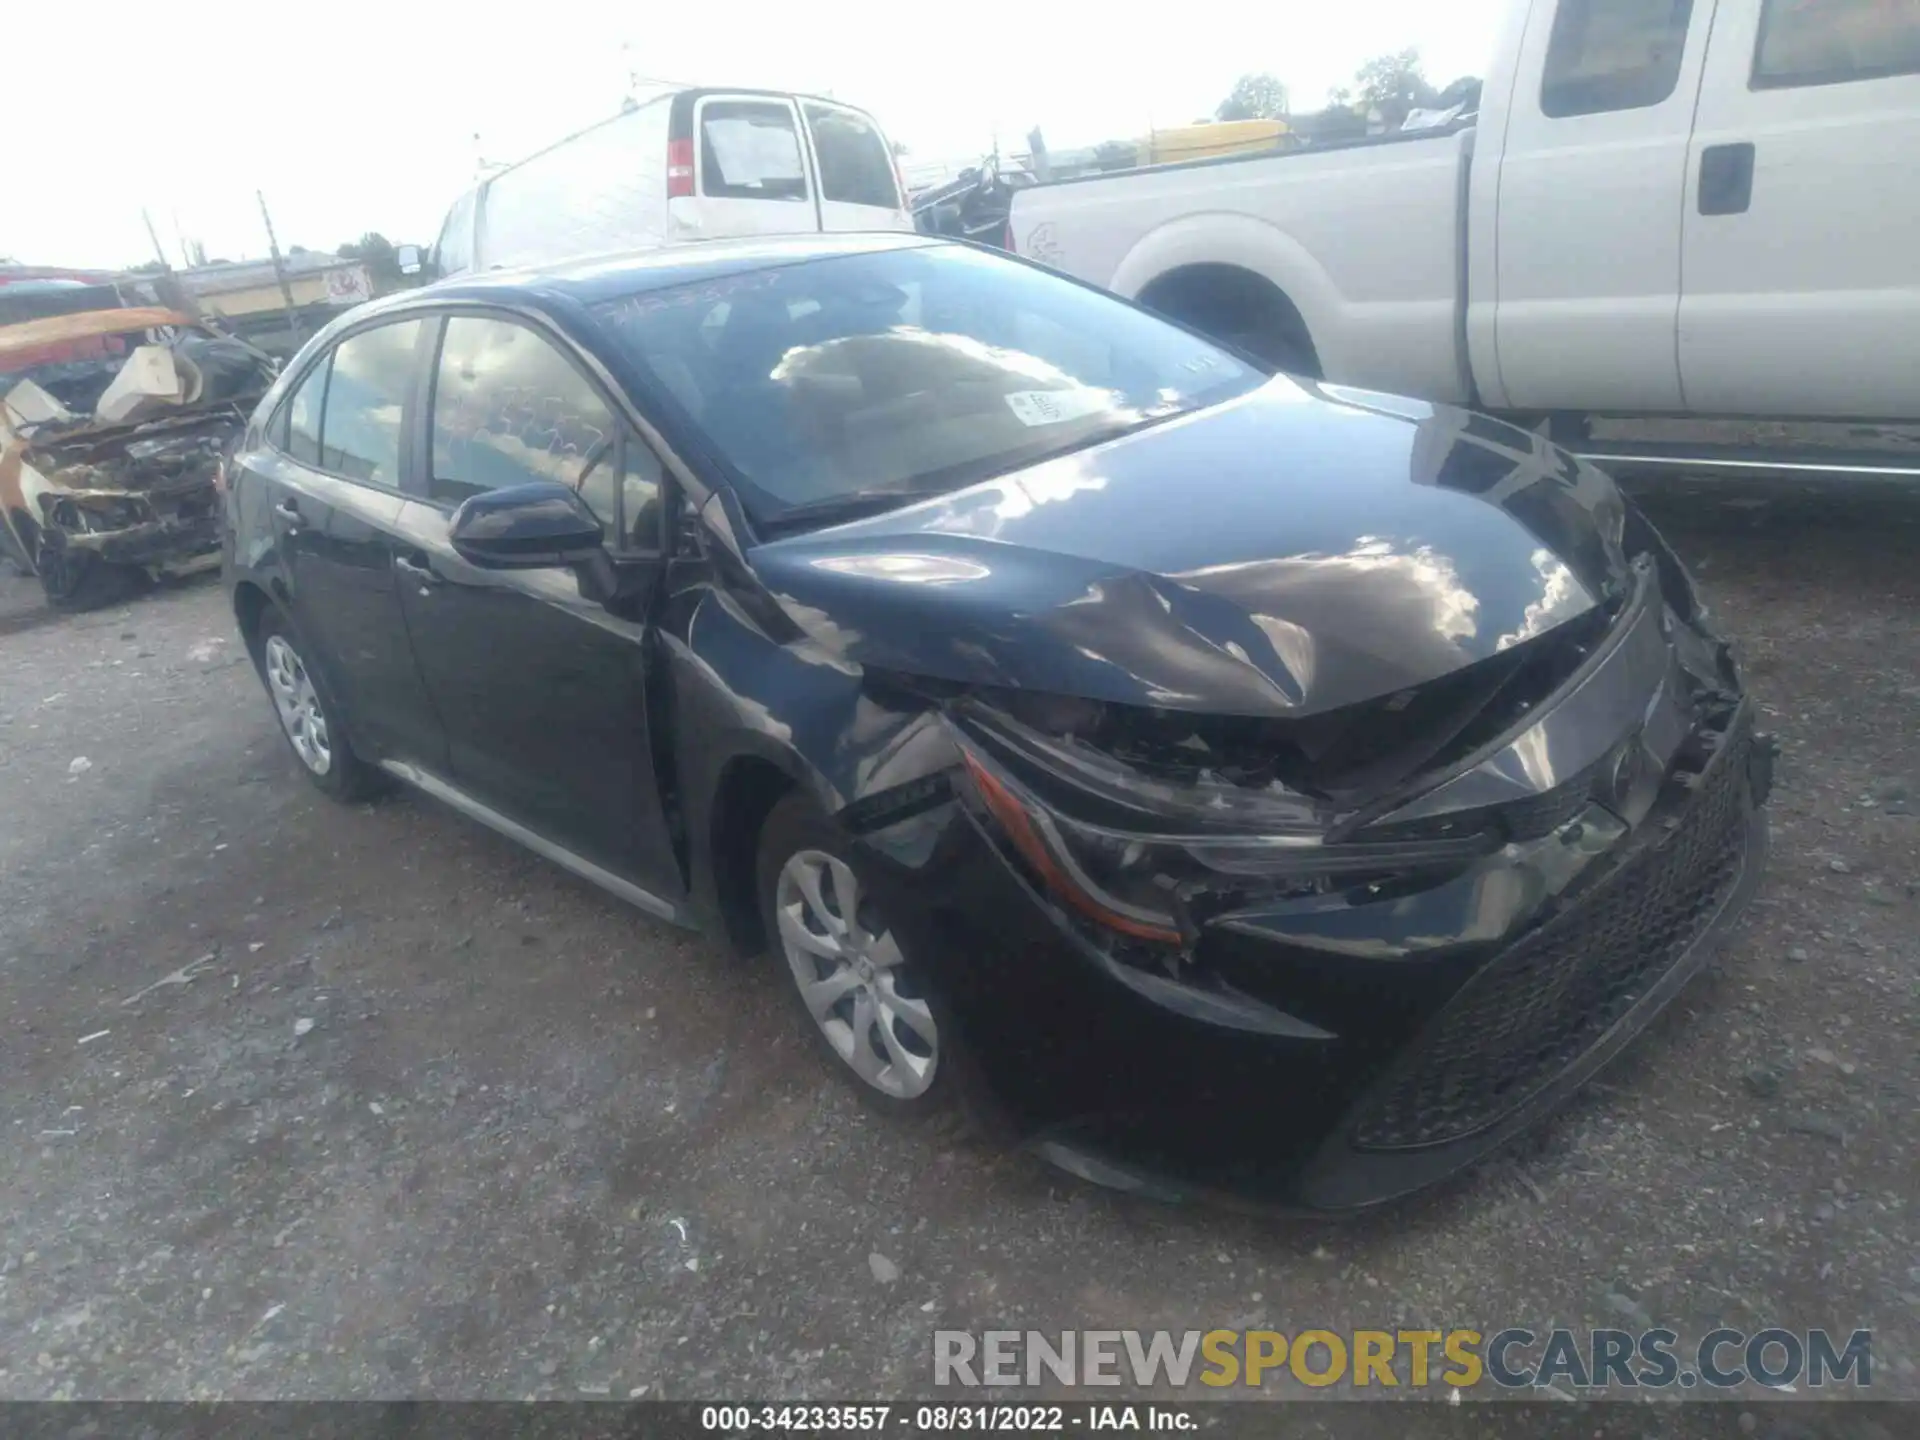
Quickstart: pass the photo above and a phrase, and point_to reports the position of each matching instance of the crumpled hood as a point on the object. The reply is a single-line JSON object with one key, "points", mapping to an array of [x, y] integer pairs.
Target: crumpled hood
{"points": [[1297, 550]]}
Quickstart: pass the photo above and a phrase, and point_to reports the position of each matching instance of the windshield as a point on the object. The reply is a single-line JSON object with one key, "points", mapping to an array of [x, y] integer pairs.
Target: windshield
{"points": [[904, 372]]}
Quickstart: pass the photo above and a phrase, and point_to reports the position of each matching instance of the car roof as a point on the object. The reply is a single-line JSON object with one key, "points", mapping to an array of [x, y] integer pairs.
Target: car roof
{"points": [[592, 279]]}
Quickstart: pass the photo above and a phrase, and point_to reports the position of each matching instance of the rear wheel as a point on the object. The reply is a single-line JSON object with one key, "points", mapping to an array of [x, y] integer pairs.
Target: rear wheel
{"points": [[865, 997], [308, 714]]}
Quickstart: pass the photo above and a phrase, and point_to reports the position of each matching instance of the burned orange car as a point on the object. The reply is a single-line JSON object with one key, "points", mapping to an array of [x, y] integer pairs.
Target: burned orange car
{"points": [[113, 427]]}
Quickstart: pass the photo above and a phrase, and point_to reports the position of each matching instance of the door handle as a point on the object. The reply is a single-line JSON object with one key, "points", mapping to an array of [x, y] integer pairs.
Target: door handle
{"points": [[289, 512], [1726, 179], [416, 569]]}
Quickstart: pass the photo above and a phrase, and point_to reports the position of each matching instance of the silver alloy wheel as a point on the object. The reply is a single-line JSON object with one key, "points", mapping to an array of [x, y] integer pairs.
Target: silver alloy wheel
{"points": [[851, 977], [299, 705]]}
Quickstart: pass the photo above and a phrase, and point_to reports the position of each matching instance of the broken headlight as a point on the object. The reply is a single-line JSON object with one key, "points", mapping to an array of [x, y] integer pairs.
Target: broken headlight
{"points": [[1152, 858], [97, 514]]}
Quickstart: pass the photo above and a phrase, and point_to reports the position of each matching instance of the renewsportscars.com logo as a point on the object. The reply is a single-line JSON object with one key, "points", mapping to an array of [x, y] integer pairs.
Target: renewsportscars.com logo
{"points": [[1452, 1359]]}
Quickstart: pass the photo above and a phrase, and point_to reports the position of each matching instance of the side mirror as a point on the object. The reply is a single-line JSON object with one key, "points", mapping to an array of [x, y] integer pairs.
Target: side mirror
{"points": [[409, 259], [526, 527]]}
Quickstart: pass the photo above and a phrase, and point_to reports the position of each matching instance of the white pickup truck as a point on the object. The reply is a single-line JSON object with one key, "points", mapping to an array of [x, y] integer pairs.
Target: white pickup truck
{"points": [[1664, 208]]}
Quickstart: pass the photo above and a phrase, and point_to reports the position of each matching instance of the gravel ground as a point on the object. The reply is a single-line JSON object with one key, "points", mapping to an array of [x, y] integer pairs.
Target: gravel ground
{"points": [[304, 1101]]}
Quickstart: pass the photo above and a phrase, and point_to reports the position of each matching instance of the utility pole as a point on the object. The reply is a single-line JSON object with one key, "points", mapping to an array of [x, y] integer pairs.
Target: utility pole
{"points": [[167, 288], [159, 252], [280, 273]]}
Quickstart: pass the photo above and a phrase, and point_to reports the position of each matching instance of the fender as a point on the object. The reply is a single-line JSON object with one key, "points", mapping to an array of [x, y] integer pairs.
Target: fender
{"points": [[840, 745], [1218, 237]]}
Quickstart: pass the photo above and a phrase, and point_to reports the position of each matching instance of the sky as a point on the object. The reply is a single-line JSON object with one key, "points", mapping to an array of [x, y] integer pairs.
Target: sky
{"points": [[352, 116]]}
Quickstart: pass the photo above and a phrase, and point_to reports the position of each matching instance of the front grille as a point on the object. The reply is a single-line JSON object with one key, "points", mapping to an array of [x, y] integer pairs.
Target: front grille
{"points": [[1532, 818], [1533, 1011], [1540, 815]]}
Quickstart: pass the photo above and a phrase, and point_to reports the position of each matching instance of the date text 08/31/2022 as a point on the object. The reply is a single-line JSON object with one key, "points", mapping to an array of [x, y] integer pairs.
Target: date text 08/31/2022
{"points": [[748, 1419]]}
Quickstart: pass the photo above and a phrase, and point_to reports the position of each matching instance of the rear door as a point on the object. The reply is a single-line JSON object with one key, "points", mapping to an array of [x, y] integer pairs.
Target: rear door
{"points": [[1589, 210], [854, 166], [330, 474], [1801, 279], [750, 170], [544, 692]]}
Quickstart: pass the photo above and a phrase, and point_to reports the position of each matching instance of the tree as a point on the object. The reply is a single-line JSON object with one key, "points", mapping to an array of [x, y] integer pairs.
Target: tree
{"points": [[1115, 155], [377, 253], [1394, 84], [1254, 97]]}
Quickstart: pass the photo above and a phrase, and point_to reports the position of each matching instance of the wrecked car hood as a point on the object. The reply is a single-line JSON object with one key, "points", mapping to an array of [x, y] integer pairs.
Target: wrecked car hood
{"points": [[21, 343], [1294, 551]]}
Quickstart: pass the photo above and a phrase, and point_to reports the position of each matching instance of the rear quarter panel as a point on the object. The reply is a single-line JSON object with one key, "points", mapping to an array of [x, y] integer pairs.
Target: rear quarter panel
{"points": [[1365, 241]]}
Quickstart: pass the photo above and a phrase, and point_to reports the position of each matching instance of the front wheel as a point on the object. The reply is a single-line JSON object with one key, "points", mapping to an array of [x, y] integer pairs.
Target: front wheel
{"points": [[864, 996], [78, 579]]}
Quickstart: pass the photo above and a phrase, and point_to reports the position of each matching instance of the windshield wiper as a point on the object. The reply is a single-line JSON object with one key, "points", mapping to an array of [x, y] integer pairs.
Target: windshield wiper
{"points": [[838, 509]]}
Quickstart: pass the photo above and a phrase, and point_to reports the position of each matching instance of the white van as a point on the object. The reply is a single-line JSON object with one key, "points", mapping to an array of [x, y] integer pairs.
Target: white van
{"points": [[682, 165]]}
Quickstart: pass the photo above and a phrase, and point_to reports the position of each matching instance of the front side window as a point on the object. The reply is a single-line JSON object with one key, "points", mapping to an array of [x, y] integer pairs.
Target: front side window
{"points": [[301, 437], [855, 167], [509, 409], [1608, 55], [750, 151], [907, 371], [366, 402], [640, 492], [1830, 42]]}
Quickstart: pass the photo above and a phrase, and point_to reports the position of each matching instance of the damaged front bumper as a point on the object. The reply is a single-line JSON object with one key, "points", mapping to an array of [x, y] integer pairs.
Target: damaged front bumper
{"points": [[1430, 973]]}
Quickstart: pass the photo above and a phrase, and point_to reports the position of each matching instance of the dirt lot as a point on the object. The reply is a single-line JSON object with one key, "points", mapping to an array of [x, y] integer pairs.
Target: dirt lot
{"points": [[305, 1101]]}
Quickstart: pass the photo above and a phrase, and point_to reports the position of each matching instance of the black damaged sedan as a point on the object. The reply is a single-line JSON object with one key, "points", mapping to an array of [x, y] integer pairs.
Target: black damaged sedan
{"points": [[1227, 784]]}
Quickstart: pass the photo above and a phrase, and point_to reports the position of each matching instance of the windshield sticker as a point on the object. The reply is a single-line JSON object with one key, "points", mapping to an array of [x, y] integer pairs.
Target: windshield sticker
{"points": [[1053, 407]]}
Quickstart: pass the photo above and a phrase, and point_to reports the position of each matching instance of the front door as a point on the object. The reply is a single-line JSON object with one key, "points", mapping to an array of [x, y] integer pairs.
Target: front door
{"points": [[859, 183], [1588, 221], [1801, 278], [331, 468], [543, 692]]}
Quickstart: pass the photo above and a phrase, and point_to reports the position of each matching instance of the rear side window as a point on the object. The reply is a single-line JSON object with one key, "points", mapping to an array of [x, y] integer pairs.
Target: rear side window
{"points": [[366, 401], [509, 409], [855, 167], [1613, 55], [749, 151], [301, 416], [1829, 42]]}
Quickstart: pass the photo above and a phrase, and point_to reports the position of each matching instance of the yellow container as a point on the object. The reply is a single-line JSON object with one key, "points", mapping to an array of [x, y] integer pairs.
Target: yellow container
{"points": [[1201, 142]]}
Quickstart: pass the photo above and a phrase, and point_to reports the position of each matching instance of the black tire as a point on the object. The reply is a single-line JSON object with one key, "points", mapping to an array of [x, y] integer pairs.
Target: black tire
{"points": [[345, 776], [76, 580], [950, 1106]]}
